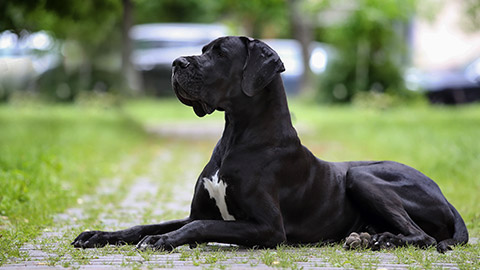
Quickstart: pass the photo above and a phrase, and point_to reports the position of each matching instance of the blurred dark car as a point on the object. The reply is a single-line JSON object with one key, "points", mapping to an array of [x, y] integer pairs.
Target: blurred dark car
{"points": [[157, 45], [290, 51], [451, 86]]}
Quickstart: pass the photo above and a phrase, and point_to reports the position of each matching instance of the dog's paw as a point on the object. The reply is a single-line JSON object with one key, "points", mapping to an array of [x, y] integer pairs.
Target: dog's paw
{"points": [[443, 247], [366, 238], [386, 241], [91, 239], [352, 242], [155, 242], [357, 241]]}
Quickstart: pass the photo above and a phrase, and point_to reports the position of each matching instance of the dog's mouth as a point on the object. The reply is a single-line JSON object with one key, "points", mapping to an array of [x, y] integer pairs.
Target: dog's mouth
{"points": [[199, 107]]}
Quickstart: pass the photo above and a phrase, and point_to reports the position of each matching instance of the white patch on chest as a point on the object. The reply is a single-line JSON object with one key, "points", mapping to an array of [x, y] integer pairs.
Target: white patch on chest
{"points": [[216, 189]]}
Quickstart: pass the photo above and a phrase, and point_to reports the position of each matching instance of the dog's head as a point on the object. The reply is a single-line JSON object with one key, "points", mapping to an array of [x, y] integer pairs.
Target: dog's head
{"points": [[228, 68]]}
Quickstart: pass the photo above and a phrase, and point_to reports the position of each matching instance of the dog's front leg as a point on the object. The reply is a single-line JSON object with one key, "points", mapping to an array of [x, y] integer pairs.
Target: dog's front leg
{"points": [[91, 239], [229, 232]]}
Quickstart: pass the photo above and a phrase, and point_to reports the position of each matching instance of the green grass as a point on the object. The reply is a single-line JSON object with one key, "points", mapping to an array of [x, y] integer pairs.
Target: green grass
{"points": [[52, 155], [49, 156]]}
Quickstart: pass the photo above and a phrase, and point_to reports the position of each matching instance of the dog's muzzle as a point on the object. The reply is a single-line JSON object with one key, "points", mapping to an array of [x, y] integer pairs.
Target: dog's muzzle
{"points": [[179, 67]]}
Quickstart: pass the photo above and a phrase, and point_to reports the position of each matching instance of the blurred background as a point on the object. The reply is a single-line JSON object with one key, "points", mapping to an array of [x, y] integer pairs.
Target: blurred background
{"points": [[86, 99], [365, 51]]}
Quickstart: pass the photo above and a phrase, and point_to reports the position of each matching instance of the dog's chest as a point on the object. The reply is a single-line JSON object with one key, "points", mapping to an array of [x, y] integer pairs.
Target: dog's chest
{"points": [[216, 188]]}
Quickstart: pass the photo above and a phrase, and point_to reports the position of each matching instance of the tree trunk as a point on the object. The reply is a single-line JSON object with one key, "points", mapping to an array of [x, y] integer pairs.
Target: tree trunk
{"points": [[302, 31], [128, 72]]}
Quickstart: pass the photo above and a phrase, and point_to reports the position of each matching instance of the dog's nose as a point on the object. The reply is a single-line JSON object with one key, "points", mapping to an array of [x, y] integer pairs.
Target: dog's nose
{"points": [[181, 62]]}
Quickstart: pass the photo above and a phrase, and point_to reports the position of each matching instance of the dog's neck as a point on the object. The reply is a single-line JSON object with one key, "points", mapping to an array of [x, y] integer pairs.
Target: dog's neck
{"points": [[266, 116]]}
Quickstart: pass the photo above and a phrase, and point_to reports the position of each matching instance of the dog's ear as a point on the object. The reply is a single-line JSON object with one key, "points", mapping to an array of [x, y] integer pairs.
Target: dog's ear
{"points": [[261, 66]]}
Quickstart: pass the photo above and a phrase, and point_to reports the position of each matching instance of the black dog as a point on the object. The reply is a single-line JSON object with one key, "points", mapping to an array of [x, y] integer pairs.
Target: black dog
{"points": [[262, 188]]}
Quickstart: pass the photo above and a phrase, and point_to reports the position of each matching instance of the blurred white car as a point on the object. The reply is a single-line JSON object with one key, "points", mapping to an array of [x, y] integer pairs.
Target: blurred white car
{"points": [[157, 45], [24, 58]]}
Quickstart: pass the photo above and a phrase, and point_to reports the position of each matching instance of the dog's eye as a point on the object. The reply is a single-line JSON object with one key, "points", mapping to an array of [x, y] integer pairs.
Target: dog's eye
{"points": [[221, 52]]}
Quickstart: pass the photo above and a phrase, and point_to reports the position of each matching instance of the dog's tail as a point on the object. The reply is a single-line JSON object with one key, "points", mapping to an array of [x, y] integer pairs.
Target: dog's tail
{"points": [[460, 234]]}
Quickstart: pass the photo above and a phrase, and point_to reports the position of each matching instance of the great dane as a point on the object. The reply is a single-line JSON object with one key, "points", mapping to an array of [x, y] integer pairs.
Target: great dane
{"points": [[262, 187]]}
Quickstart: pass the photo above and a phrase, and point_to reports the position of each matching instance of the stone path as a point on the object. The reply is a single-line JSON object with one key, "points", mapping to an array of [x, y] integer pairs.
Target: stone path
{"points": [[162, 192]]}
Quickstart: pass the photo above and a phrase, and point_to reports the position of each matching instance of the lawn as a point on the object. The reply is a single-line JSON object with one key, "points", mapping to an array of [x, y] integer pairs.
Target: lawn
{"points": [[50, 156]]}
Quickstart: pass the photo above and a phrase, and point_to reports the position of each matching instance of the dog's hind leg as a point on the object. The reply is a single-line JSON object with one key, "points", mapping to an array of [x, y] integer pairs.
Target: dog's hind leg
{"points": [[383, 210], [460, 235]]}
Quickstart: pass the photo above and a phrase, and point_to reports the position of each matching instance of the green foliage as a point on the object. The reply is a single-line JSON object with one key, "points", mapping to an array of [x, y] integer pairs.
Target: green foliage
{"points": [[257, 18], [261, 18], [371, 50], [176, 11], [472, 18], [85, 21]]}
